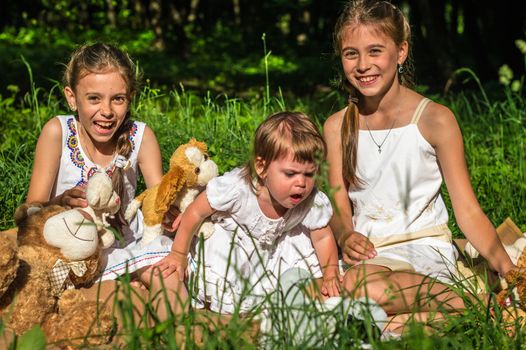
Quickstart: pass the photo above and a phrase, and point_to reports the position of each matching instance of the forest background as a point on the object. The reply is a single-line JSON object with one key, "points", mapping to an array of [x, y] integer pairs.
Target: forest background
{"points": [[217, 46]]}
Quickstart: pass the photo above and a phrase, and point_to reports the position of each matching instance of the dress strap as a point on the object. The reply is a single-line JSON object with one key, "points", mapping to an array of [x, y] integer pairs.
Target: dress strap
{"points": [[419, 109]]}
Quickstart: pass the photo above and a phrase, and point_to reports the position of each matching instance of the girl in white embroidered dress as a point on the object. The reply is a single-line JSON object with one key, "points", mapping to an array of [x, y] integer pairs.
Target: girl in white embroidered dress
{"points": [[268, 217], [387, 153], [100, 81]]}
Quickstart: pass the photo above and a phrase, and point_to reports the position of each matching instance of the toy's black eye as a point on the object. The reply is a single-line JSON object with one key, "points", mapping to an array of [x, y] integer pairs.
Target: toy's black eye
{"points": [[206, 157], [197, 171]]}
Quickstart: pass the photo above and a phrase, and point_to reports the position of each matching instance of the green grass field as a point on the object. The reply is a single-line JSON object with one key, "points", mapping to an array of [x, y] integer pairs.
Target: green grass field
{"points": [[494, 136]]}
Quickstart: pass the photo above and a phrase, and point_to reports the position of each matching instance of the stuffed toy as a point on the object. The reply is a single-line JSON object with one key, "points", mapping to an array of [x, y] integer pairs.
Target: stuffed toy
{"points": [[57, 251], [103, 204], [513, 283], [190, 170]]}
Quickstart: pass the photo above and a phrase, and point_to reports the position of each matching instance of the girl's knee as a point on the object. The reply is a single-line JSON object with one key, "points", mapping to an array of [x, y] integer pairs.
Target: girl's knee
{"points": [[364, 282]]}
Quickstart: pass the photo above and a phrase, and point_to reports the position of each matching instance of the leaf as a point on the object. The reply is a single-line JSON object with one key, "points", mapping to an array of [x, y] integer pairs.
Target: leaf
{"points": [[33, 339]]}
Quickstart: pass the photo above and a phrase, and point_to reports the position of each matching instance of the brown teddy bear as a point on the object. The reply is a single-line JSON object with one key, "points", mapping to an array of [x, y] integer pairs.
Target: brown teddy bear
{"points": [[190, 171], [57, 251]]}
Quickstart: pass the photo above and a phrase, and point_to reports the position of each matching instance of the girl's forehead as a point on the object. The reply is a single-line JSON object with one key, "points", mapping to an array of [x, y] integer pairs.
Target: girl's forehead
{"points": [[105, 77], [363, 32]]}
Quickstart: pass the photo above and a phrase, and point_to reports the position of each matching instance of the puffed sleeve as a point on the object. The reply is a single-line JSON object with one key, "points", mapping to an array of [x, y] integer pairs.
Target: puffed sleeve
{"points": [[223, 191], [320, 212]]}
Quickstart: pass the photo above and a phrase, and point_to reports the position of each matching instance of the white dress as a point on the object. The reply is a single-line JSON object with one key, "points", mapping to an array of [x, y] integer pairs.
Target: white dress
{"points": [[399, 206], [248, 251], [75, 170]]}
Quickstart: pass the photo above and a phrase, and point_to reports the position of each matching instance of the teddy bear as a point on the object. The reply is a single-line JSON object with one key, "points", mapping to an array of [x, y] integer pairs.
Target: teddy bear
{"points": [[190, 171], [55, 252]]}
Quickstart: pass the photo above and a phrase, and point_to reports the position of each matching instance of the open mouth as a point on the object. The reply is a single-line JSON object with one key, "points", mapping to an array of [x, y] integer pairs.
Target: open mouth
{"points": [[296, 198], [368, 80], [104, 127]]}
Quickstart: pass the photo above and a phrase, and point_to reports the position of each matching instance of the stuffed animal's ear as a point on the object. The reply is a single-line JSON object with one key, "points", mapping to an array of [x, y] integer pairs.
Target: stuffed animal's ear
{"points": [[170, 185], [25, 210], [200, 145]]}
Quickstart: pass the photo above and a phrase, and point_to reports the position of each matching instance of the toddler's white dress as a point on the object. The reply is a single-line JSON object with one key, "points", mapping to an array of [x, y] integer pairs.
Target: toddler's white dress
{"points": [[248, 251], [399, 206], [75, 170]]}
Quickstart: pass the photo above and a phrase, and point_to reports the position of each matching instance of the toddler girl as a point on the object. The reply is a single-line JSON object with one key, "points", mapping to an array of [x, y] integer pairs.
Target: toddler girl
{"points": [[268, 217]]}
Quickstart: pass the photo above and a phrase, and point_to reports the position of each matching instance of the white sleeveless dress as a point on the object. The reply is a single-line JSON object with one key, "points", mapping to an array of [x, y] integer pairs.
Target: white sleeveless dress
{"points": [[242, 261], [75, 170], [399, 206]]}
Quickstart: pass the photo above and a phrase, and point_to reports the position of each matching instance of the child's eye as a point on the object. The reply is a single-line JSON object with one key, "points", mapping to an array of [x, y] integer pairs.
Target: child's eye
{"points": [[119, 99], [289, 174], [376, 51], [310, 174], [349, 54], [93, 98]]}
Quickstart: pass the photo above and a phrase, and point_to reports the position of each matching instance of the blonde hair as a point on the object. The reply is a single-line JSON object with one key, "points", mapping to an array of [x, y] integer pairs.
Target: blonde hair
{"points": [[101, 58], [284, 132], [390, 20]]}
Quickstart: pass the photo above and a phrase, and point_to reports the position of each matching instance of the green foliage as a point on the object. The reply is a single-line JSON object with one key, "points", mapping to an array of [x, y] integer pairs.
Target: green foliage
{"points": [[33, 339], [506, 76]]}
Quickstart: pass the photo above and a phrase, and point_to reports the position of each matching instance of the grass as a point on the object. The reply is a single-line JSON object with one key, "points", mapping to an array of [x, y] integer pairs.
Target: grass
{"points": [[494, 137]]}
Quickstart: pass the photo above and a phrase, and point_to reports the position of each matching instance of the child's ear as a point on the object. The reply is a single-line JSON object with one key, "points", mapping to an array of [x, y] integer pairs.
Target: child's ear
{"points": [[259, 166], [403, 50], [70, 97]]}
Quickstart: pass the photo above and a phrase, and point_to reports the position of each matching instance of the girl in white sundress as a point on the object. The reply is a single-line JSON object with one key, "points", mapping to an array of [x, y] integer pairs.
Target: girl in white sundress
{"points": [[100, 81], [268, 217], [388, 151]]}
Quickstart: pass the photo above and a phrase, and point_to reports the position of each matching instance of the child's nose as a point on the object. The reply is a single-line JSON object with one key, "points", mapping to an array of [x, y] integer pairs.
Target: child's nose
{"points": [[301, 181], [105, 109], [363, 63]]}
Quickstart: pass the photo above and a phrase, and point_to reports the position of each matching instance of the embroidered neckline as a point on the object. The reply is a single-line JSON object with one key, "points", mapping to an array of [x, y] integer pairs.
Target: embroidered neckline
{"points": [[77, 155]]}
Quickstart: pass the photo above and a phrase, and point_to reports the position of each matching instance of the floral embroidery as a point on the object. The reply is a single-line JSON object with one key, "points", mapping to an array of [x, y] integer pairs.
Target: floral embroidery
{"points": [[131, 137], [78, 159]]}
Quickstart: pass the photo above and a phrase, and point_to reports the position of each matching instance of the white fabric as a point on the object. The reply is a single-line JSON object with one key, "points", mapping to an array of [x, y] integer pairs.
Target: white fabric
{"points": [[248, 251], [75, 170], [401, 194]]}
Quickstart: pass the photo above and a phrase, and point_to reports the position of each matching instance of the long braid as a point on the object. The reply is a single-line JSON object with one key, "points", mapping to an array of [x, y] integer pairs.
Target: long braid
{"points": [[349, 137], [124, 148]]}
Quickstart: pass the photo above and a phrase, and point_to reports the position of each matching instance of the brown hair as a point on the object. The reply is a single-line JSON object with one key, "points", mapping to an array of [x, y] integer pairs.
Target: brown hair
{"points": [[285, 132], [100, 58], [391, 21]]}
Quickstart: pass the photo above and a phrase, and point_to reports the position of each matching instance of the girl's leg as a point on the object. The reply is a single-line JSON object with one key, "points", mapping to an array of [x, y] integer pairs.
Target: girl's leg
{"points": [[400, 292], [133, 300], [397, 323], [167, 295]]}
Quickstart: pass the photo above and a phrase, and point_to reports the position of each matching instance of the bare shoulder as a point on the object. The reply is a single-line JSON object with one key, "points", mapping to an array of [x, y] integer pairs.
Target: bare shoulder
{"points": [[437, 122], [148, 133], [334, 122], [51, 133]]}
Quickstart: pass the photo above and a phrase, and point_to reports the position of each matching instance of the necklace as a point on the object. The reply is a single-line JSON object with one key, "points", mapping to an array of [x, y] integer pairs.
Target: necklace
{"points": [[379, 145]]}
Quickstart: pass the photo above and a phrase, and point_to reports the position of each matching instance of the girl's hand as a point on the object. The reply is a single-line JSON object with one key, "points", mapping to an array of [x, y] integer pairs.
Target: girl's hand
{"points": [[173, 262], [331, 283], [356, 247], [74, 197], [172, 219]]}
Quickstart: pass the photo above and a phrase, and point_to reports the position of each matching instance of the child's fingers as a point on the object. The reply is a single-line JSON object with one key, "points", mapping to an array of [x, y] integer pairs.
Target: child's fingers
{"points": [[172, 219], [324, 290], [353, 256], [181, 273]]}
